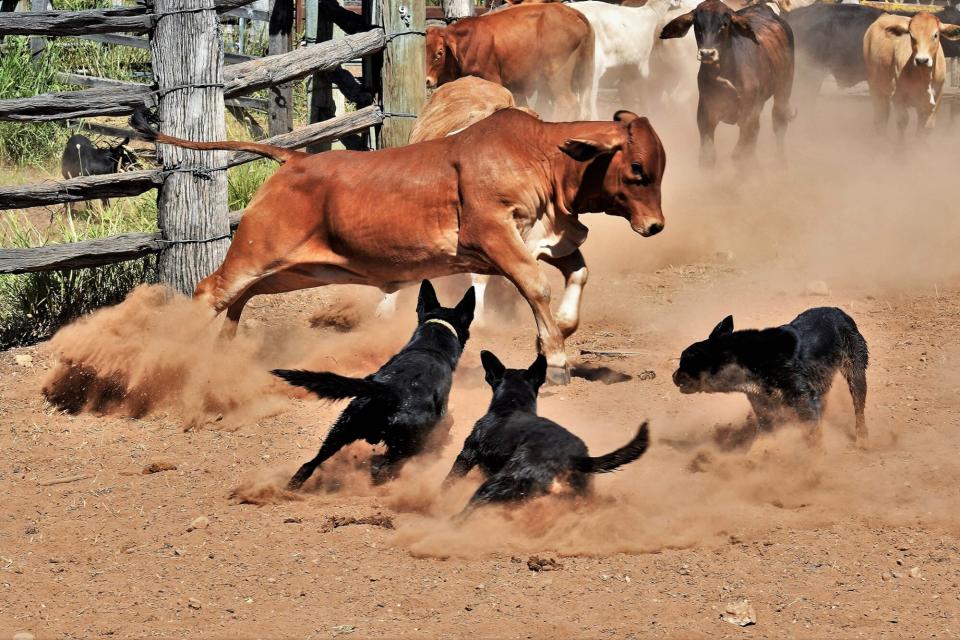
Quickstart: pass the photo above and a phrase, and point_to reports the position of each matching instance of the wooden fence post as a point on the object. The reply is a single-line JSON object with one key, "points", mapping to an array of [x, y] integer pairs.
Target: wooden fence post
{"points": [[457, 8], [187, 50], [37, 43], [319, 88], [403, 76], [280, 98]]}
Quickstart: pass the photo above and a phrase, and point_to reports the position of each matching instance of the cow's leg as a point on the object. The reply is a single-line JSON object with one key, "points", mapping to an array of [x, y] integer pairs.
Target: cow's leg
{"points": [[902, 115], [746, 148], [479, 283], [387, 306], [281, 282], [707, 124], [782, 114], [506, 251], [574, 271]]}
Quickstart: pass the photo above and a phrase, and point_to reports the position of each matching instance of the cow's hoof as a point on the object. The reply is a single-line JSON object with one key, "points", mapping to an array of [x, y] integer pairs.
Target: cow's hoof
{"points": [[558, 375]]}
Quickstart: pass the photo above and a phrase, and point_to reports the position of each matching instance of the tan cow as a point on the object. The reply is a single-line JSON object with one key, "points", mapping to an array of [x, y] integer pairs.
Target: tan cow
{"points": [[905, 65], [493, 199]]}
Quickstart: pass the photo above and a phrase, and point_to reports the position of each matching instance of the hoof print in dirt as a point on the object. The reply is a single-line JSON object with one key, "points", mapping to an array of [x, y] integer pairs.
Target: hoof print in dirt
{"points": [[537, 564], [376, 520]]}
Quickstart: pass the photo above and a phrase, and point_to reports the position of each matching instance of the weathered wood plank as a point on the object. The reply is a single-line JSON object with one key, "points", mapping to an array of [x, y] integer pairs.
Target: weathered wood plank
{"points": [[87, 253], [113, 185], [89, 21], [80, 80], [249, 13], [142, 43]]}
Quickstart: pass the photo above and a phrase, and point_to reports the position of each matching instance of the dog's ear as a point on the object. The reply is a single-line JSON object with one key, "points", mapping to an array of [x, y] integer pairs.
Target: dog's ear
{"points": [[493, 367], [537, 372], [723, 328], [427, 300], [466, 306]]}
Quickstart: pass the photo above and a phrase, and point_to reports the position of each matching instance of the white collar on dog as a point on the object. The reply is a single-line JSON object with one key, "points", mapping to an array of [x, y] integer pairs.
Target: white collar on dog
{"points": [[445, 324]]}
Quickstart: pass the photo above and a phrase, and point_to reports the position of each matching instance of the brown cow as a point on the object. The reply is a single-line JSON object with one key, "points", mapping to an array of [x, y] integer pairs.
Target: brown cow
{"points": [[905, 63], [492, 199], [543, 48], [746, 57]]}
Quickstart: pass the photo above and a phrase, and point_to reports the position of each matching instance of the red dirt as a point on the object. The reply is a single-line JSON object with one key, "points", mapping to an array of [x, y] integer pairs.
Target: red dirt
{"points": [[822, 541]]}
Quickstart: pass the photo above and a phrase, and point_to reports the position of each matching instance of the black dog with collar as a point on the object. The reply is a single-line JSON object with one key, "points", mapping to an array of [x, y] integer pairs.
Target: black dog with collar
{"points": [[403, 403]]}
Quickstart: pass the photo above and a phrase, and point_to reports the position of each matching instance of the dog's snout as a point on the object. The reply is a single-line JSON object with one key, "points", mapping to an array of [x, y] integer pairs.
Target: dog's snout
{"points": [[679, 377]]}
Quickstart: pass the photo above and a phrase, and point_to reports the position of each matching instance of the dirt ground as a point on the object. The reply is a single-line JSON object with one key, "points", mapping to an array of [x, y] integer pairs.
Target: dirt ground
{"points": [[824, 541]]}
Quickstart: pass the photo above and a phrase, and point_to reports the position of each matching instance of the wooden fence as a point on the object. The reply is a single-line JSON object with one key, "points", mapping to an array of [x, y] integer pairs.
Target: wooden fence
{"points": [[193, 83]]}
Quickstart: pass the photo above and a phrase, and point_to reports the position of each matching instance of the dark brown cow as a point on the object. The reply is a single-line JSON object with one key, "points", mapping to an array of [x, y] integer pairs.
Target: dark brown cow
{"points": [[492, 199], [542, 48], [746, 57]]}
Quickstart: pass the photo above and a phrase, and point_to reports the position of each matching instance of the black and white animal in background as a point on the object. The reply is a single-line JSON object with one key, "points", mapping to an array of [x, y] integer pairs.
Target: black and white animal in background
{"points": [[523, 455], [83, 158], [403, 403], [783, 370]]}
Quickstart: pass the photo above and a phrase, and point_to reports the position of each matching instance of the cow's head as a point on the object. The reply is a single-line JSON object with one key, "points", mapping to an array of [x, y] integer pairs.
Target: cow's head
{"points": [[442, 64], [714, 25], [624, 173], [122, 155], [925, 31]]}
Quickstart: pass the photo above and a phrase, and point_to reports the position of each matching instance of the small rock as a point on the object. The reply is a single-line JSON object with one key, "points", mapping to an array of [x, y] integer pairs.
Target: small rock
{"points": [[292, 520], [157, 467], [817, 288], [684, 570], [536, 563], [23, 635], [897, 574], [647, 375], [24, 359], [740, 613], [914, 572], [193, 603], [200, 522], [31, 531], [344, 628]]}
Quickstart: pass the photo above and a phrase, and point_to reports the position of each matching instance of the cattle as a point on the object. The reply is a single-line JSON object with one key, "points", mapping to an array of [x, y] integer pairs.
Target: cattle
{"points": [[905, 66], [829, 40], [624, 38], [492, 199], [545, 49], [673, 63], [746, 57], [451, 109], [83, 158]]}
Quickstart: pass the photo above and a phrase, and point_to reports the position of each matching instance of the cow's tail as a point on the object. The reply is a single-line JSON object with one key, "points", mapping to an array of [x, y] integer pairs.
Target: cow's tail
{"points": [[141, 124], [587, 78], [616, 459], [332, 386]]}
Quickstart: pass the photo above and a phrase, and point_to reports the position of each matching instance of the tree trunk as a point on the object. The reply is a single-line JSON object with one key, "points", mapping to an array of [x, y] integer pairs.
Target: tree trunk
{"points": [[187, 49], [403, 76], [457, 9], [280, 109]]}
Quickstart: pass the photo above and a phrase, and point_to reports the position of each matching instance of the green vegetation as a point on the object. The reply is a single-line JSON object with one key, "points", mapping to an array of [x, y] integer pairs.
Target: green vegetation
{"points": [[243, 181]]}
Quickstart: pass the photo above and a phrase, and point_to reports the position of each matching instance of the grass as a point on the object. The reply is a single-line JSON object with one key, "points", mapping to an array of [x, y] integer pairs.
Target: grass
{"points": [[243, 181], [33, 306]]}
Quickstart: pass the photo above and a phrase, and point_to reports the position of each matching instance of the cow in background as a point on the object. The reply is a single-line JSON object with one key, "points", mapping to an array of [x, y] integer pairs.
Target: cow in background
{"points": [[905, 66], [624, 38], [545, 49], [746, 57], [83, 158]]}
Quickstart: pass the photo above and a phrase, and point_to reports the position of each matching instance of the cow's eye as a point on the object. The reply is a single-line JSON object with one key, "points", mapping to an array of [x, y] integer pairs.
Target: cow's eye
{"points": [[637, 169]]}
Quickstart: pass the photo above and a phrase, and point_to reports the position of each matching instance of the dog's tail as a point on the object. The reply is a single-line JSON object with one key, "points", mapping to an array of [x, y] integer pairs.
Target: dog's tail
{"points": [[141, 123], [332, 386], [616, 459]]}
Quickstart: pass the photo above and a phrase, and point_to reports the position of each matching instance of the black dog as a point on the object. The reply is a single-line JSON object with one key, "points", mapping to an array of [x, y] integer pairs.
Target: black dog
{"points": [[83, 158], [522, 454], [788, 367], [402, 403]]}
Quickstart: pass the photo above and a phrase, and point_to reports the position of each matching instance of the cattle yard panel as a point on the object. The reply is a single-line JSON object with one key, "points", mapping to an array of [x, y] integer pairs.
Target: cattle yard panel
{"points": [[190, 96]]}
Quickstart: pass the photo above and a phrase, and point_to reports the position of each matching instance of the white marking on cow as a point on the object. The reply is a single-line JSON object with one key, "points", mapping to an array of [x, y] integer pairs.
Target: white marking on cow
{"points": [[554, 236], [933, 95]]}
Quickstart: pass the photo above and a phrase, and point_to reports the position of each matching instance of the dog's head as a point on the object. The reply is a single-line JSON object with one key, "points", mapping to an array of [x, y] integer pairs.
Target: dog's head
{"points": [[731, 360], [459, 317], [518, 387]]}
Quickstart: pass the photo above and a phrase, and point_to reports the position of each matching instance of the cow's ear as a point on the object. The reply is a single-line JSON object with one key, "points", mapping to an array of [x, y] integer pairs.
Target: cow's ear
{"points": [[743, 27], [427, 300], [950, 31], [624, 117], [678, 27], [724, 327], [492, 367], [584, 150], [898, 29], [450, 43]]}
